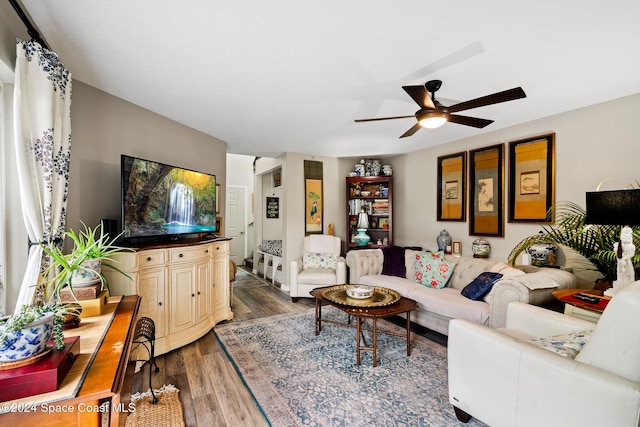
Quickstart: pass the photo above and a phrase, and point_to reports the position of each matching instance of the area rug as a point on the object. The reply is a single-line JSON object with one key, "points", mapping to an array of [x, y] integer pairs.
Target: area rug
{"points": [[300, 379], [167, 412]]}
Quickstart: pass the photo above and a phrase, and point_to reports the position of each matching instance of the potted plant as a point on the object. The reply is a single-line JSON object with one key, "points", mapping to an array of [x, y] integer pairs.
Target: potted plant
{"points": [[92, 250], [593, 241], [26, 333]]}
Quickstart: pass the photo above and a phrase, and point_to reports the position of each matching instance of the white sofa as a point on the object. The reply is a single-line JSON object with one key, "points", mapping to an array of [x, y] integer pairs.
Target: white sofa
{"points": [[535, 381], [437, 306]]}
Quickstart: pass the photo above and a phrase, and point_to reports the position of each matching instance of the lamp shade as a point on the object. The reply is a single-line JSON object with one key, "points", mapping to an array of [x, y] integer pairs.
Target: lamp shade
{"points": [[619, 207], [363, 220]]}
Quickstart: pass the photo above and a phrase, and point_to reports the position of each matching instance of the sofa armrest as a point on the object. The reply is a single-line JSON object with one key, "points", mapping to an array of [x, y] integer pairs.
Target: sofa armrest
{"points": [[364, 262], [341, 271], [540, 322], [531, 288], [525, 378], [295, 267]]}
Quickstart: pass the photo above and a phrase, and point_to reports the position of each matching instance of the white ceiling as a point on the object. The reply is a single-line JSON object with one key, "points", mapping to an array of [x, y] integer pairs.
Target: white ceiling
{"points": [[290, 75]]}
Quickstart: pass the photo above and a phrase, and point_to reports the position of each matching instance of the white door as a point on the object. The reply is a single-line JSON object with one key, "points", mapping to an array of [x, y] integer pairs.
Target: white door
{"points": [[235, 223]]}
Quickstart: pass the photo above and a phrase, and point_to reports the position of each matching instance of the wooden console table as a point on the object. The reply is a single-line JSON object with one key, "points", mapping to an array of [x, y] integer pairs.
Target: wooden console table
{"points": [[104, 391]]}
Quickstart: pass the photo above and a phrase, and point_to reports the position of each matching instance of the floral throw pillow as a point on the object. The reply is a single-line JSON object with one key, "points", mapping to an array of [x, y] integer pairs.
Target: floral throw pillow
{"points": [[566, 345], [433, 270], [319, 260]]}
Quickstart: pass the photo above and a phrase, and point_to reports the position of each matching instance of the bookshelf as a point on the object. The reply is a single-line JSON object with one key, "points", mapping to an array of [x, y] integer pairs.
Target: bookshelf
{"points": [[374, 195]]}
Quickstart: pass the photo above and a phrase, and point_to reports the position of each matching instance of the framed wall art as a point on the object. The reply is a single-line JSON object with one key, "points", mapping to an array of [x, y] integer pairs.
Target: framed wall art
{"points": [[273, 207], [313, 197], [531, 179], [452, 172], [486, 191]]}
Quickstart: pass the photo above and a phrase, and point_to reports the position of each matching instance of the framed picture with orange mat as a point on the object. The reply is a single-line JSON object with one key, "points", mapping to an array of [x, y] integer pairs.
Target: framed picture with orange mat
{"points": [[532, 179]]}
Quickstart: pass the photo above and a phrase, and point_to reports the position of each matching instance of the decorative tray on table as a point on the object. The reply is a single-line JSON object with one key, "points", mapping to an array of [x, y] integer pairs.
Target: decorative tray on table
{"points": [[380, 296]]}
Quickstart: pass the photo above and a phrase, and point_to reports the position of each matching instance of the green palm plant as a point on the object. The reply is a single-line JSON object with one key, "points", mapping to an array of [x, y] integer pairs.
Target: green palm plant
{"points": [[592, 241]]}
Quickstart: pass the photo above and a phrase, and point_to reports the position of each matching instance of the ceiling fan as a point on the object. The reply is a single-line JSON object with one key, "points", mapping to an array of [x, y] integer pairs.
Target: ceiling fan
{"points": [[432, 114]]}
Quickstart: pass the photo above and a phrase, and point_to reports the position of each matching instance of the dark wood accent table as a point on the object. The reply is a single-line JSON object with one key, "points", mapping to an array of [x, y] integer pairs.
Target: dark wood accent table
{"points": [[106, 388], [404, 305]]}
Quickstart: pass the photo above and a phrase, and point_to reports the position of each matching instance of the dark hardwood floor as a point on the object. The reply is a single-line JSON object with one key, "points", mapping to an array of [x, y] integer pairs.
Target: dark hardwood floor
{"points": [[211, 391]]}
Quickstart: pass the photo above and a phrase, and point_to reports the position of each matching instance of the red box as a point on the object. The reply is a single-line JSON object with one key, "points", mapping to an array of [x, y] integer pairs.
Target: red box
{"points": [[43, 376]]}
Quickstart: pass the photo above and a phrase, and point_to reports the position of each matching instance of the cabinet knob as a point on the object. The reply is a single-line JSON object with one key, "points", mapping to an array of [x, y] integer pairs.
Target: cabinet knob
{"points": [[148, 258], [193, 295], [206, 251], [180, 255], [217, 248], [160, 303], [198, 292]]}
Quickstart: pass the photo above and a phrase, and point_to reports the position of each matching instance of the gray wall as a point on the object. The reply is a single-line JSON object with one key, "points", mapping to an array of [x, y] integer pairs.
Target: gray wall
{"points": [[103, 128], [593, 143]]}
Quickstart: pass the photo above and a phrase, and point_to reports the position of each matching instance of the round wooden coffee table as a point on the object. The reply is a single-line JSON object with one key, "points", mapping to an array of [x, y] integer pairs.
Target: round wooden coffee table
{"points": [[403, 305]]}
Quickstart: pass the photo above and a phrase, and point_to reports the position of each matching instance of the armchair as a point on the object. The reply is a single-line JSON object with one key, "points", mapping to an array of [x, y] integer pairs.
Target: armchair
{"points": [[501, 378], [320, 265]]}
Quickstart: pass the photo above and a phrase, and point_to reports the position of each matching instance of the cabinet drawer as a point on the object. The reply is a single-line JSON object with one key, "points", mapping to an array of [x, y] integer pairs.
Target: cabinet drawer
{"points": [[151, 258], [219, 247], [188, 254]]}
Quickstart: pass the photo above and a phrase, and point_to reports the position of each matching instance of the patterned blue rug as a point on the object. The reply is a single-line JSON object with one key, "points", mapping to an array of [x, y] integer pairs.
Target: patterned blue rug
{"points": [[300, 379]]}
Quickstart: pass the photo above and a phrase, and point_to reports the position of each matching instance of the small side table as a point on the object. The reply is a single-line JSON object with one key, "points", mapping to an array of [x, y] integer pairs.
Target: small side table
{"points": [[582, 309]]}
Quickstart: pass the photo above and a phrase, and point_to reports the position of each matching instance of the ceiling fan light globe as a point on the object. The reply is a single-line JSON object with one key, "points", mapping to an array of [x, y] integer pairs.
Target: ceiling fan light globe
{"points": [[432, 119]]}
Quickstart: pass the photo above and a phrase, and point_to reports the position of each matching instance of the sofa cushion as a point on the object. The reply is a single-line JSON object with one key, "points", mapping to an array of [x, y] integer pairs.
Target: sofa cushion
{"points": [[506, 270], [481, 285], [446, 302], [467, 269], [433, 270], [394, 262], [319, 260], [273, 247], [317, 276]]}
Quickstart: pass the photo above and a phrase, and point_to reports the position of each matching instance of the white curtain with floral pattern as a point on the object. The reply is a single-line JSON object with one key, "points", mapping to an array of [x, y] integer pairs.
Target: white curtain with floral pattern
{"points": [[42, 124]]}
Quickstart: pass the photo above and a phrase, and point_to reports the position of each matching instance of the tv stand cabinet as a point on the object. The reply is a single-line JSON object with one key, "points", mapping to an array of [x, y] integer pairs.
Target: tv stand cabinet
{"points": [[184, 287]]}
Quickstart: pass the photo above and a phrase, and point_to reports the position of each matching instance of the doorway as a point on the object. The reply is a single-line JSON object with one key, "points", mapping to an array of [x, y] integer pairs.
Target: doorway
{"points": [[235, 227]]}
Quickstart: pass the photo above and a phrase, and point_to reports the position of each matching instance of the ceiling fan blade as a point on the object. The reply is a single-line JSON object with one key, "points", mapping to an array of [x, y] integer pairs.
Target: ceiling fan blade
{"points": [[469, 121], [411, 131], [420, 95], [504, 96], [383, 118]]}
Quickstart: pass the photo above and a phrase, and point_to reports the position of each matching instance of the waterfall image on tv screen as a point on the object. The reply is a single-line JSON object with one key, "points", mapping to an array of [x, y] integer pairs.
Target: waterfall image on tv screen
{"points": [[159, 199]]}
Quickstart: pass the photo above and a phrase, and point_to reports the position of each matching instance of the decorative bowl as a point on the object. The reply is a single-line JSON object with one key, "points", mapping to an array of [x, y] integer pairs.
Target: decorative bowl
{"points": [[365, 193], [28, 342], [359, 291]]}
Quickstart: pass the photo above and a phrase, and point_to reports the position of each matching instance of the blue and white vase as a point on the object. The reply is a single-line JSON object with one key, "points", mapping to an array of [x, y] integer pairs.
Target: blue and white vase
{"points": [[543, 254]]}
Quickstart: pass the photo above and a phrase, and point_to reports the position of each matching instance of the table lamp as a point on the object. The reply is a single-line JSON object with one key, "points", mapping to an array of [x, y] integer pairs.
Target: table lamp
{"points": [[362, 239], [619, 207]]}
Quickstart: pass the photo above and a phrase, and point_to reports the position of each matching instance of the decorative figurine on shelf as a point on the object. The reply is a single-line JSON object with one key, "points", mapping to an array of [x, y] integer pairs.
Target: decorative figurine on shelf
{"points": [[624, 249]]}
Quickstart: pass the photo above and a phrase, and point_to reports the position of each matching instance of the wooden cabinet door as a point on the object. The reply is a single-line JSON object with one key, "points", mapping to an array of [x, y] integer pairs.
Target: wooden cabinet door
{"points": [[220, 270], [182, 295], [203, 294], [151, 287]]}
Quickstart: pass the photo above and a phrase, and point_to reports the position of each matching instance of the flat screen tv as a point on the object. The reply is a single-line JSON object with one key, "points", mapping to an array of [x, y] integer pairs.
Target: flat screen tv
{"points": [[163, 200]]}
